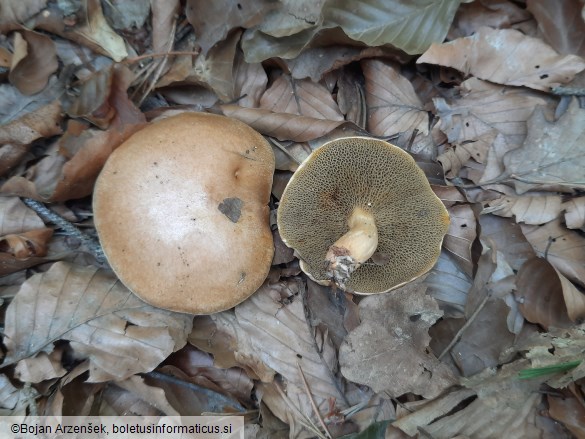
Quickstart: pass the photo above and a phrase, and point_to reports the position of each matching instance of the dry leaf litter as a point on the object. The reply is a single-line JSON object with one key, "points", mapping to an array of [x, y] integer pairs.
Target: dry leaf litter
{"points": [[486, 95]]}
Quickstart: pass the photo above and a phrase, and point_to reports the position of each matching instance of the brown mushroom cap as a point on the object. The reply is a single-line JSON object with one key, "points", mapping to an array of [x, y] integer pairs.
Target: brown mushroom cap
{"points": [[181, 212], [364, 176]]}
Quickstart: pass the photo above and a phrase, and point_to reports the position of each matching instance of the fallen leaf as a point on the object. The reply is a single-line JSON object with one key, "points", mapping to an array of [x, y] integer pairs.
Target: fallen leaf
{"points": [[409, 26], [575, 213], [15, 12], [151, 395], [100, 318], [283, 126], [568, 410], [40, 368], [26, 244], [552, 154], [540, 292], [526, 209], [163, 22], [564, 249], [33, 62], [497, 14], [212, 21], [250, 82], [506, 236], [14, 105], [449, 284], [392, 340], [506, 56], [392, 103], [16, 217], [13, 401], [460, 236], [560, 25], [300, 97], [483, 111]]}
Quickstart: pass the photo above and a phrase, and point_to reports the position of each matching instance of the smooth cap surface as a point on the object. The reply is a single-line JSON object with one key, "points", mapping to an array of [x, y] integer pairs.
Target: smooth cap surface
{"points": [[181, 212], [379, 178]]}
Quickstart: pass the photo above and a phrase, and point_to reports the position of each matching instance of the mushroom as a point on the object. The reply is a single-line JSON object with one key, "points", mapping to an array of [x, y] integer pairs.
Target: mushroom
{"points": [[361, 214], [181, 211]]}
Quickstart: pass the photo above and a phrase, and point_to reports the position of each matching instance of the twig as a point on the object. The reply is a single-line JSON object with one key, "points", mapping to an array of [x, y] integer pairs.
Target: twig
{"points": [[315, 409], [464, 327], [47, 214], [307, 422], [568, 91]]}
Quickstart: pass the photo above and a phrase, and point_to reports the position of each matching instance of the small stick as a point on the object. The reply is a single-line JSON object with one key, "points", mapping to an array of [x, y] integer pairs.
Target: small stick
{"points": [[48, 215]]}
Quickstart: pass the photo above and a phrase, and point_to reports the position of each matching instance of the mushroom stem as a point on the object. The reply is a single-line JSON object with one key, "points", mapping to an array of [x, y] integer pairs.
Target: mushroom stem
{"points": [[354, 248]]}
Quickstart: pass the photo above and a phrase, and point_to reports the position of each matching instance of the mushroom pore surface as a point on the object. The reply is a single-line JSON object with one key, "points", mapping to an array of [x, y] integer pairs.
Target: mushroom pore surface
{"points": [[368, 177], [181, 210]]}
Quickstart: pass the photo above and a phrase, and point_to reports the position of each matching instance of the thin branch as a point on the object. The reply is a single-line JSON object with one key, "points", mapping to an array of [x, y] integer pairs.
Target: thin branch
{"points": [[315, 408]]}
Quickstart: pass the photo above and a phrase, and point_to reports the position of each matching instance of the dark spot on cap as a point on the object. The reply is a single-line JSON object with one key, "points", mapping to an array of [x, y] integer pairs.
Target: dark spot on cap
{"points": [[232, 208]]}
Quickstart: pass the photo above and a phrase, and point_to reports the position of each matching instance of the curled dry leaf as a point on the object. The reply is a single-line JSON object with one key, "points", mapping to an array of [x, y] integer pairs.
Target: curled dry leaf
{"points": [[281, 125], [575, 213], [249, 81], [33, 62], [13, 401], [552, 154], [564, 249], [560, 24], [389, 351], [142, 393], [460, 236], [14, 13], [506, 56], [212, 21], [392, 103], [70, 172], [449, 285], [101, 319], [485, 110], [27, 244], [568, 410], [540, 293], [526, 209], [40, 368], [16, 217], [301, 97]]}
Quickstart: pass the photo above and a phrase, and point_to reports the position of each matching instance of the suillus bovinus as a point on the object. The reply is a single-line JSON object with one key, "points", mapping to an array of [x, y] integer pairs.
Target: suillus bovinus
{"points": [[361, 214], [181, 210]]}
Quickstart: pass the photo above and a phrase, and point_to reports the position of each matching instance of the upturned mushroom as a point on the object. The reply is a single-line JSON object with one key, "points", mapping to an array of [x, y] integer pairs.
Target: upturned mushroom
{"points": [[181, 210], [361, 214]]}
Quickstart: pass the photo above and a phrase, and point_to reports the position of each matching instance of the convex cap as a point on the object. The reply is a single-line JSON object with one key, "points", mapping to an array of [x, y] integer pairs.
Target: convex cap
{"points": [[181, 212], [361, 214]]}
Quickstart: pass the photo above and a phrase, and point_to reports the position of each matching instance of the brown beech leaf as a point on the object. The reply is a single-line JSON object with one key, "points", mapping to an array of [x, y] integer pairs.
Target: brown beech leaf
{"points": [[497, 14], [27, 244], [449, 284], [552, 154], [301, 97], [102, 320], [460, 236], [212, 21], [560, 24], [163, 19], [506, 236], [575, 213], [454, 158], [33, 62], [449, 195], [40, 368], [270, 331], [389, 352], [485, 110], [16, 217], [506, 56], [526, 209], [17, 135], [143, 393], [250, 81], [568, 410], [71, 170], [540, 292], [564, 249], [283, 126], [15, 12], [392, 103]]}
